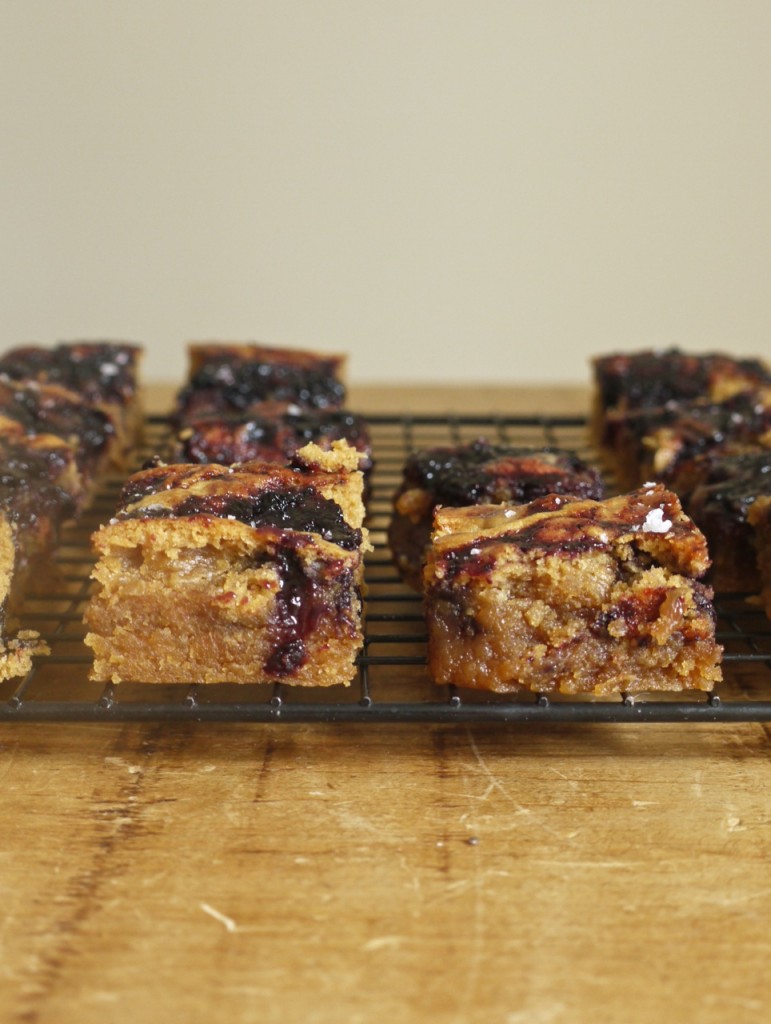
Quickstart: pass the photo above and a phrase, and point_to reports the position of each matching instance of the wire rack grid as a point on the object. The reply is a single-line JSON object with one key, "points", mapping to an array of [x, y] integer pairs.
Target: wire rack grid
{"points": [[392, 682]]}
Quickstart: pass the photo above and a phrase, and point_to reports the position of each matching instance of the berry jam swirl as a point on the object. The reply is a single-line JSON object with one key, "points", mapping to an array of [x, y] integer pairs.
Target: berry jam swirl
{"points": [[480, 471], [303, 510]]}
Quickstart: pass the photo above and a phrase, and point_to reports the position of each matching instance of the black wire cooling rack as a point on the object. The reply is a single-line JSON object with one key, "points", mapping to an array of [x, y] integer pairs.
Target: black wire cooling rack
{"points": [[393, 683]]}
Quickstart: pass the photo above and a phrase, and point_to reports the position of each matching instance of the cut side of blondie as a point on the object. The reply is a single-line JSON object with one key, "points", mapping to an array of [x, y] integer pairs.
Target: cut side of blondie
{"points": [[17, 647], [249, 573], [571, 596]]}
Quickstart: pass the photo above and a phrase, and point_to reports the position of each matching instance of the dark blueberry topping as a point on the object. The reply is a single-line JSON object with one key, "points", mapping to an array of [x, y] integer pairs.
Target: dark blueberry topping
{"points": [[646, 379], [303, 510], [226, 440], [226, 383], [28, 483], [299, 609], [697, 426], [98, 371], [273, 438], [40, 411], [480, 471], [734, 484]]}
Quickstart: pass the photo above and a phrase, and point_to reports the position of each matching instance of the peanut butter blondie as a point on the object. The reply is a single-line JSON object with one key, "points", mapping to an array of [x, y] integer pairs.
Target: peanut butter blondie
{"points": [[720, 505], [102, 373], [225, 378], [272, 432], [650, 378], [65, 416], [656, 443], [40, 489], [568, 595], [247, 573], [46, 409]]}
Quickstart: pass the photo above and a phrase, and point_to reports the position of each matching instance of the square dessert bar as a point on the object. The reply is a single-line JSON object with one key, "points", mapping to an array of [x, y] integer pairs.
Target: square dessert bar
{"points": [[227, 378], [720, 504], [40, 489], [270, 433], [571, 596], [650, 378], [657, 443], [473, 474], [45, 409], [243, 574], [102, 373], [65, 416]]}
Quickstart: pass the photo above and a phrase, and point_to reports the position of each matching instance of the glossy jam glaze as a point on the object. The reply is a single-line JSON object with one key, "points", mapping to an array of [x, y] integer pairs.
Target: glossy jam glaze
{"points": [[52, 409], [303, 510], [100, 371], [480, 471], [270, 435], [653, 378], [650, 520], [30, 482], [302, 601], [666, 438], [232, 380], [721, 504], [734, 483]]}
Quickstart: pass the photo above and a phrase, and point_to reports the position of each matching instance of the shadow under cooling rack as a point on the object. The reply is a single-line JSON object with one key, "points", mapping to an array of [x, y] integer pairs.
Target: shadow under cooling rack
{"points": [[392, 683]]}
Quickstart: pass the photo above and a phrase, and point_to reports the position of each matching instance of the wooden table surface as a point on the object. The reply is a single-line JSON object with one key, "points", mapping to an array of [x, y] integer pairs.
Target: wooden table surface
{"points": [[358, 873]]}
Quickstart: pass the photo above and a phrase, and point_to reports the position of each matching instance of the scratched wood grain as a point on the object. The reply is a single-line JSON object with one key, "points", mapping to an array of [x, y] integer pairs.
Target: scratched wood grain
{"points": [[318, 873], [516, 875]]}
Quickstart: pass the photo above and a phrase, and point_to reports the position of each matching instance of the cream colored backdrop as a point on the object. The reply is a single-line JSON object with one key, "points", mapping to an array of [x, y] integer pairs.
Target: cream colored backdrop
{"points": [[445, 189]]}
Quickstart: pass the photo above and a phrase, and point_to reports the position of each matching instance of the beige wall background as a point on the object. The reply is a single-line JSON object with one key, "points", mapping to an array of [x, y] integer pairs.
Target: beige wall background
{"points": [[444, 189]]}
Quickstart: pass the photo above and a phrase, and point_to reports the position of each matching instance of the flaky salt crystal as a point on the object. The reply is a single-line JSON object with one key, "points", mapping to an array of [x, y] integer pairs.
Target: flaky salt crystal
{"points": [[656, 523]]}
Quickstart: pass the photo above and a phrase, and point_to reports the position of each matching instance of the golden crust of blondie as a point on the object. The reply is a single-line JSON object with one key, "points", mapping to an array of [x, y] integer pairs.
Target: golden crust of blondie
{"points": [[331, 475], [649, 520]]}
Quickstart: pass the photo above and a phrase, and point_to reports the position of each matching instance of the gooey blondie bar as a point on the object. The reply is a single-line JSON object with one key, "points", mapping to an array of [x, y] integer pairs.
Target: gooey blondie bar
{"points": [[572, 596]]}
